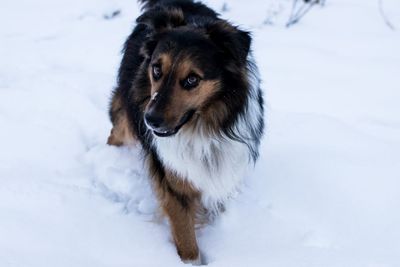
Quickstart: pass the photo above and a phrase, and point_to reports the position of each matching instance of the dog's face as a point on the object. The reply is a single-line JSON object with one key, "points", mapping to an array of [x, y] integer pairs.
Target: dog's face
{"points": [[186, 72], [183, 78]]}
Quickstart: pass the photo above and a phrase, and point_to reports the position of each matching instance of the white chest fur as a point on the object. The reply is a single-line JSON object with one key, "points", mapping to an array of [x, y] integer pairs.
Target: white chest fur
{"points": [[214, 166]]}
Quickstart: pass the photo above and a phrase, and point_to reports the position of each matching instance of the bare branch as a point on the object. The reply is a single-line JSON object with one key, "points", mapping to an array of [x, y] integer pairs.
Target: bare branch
{"points": [[293, 10], [297, 15], [383, 14]]}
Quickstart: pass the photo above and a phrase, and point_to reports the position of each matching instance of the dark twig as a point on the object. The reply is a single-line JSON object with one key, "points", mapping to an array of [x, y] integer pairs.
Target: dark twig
{"points": [[297, 15], [383, 14], [293, 10]]}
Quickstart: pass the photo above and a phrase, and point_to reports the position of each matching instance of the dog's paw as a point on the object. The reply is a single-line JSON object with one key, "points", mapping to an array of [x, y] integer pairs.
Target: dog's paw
{"points": [[196, 262], [200, 261]]}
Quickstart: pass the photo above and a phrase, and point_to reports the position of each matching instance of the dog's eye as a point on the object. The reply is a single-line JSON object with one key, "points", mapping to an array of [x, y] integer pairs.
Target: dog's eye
{"points": [[191, 82], [157, 73]]}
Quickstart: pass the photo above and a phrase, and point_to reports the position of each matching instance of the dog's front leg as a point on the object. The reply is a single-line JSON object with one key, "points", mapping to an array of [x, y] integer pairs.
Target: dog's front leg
{"points": [[121, 133], [181, 217], [179, 202]]}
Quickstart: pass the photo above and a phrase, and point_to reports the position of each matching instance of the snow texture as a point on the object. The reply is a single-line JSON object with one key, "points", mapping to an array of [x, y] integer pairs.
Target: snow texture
{"points": [[325, 192]]}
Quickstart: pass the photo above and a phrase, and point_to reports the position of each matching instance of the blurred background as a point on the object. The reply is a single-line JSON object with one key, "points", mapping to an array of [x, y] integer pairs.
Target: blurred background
{"points": [[325, 192]]}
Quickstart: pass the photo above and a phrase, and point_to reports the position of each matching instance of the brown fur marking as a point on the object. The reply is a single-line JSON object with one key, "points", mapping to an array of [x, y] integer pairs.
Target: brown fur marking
{"points": [[121, 133]]}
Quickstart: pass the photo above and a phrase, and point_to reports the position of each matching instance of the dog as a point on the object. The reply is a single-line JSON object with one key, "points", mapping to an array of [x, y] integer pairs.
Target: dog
{"points": [[188, 92]]}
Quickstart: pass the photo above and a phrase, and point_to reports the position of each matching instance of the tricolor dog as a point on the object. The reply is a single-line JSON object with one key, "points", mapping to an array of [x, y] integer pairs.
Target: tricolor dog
{"points": [[188, 92]]}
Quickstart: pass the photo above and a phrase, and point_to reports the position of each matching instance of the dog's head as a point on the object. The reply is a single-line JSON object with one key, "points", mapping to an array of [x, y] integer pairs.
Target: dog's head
{"points": [[187, 69]]}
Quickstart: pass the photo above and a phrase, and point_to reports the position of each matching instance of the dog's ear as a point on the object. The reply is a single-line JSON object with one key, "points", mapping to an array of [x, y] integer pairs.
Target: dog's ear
{"points": [[160, 19], [148, 47], [233, 42]]}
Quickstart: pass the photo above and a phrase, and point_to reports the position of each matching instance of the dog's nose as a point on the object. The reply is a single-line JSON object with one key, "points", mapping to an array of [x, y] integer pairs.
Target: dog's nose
{"points": [[154, 120]]}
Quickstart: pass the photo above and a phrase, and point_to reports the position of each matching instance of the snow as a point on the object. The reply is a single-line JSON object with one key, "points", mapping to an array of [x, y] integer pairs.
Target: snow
{"points": [[325, 192]]}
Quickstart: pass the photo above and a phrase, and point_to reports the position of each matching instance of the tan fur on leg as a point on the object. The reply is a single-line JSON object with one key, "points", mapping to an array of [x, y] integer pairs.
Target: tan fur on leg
{"points": [[121, 133]]}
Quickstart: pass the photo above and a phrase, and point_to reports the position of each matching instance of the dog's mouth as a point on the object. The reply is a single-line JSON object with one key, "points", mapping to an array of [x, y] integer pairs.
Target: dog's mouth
{"points": [[170, 132]]}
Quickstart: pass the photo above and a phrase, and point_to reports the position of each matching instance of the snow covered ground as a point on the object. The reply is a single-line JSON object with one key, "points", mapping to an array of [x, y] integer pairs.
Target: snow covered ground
{"points": [[326, 191]]}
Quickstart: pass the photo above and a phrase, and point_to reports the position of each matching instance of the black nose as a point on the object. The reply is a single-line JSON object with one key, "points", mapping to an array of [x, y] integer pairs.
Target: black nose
{"points": [[155, 120]]}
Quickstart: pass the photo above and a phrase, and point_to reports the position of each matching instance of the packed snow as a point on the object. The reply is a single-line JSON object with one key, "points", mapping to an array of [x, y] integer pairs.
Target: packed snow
{"points": [[325, 191]]}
